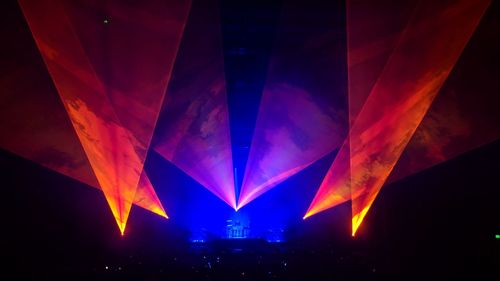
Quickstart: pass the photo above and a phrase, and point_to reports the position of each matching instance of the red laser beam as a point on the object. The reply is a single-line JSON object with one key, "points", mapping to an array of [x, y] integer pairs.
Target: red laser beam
{"points": [[41, 131], [457, 121], [422, 60], [464, 115], [100, 85], [373, 31]]}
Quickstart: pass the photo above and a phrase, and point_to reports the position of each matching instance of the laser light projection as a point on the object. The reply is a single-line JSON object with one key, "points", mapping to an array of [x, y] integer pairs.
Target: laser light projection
{"points": [[138, 99]]}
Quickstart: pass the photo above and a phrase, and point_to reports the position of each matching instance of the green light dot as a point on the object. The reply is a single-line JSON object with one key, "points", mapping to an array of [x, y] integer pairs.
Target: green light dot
{"points": [[497, 236]]}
